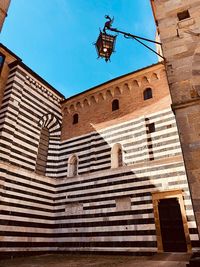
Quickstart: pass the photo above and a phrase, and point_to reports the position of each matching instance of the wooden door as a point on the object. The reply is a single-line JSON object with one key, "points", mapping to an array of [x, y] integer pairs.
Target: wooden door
{"points": [[171, 224]]}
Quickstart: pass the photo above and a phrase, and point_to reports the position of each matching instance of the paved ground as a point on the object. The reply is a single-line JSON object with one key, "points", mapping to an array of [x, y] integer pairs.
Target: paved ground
{"points": [[159, 260]]}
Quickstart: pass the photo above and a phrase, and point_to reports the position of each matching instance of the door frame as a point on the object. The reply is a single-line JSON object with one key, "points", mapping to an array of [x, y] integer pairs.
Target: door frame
{"points": [[178, 194]]}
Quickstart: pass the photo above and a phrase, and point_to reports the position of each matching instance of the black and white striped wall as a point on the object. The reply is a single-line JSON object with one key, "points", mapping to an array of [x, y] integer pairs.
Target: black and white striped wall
{"points": [[99, 210], [94, 149], [28, 105]]}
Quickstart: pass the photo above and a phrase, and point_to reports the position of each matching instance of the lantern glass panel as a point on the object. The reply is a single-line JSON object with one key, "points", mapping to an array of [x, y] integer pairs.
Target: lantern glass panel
{"points": [[105, 45]]}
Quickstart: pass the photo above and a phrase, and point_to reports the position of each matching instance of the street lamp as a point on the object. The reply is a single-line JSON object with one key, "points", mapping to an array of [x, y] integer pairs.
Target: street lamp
{"points": [[105, 43]]}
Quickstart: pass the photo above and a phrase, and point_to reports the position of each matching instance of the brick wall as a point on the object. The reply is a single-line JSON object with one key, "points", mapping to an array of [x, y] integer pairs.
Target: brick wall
{"points": [[95, 107]]}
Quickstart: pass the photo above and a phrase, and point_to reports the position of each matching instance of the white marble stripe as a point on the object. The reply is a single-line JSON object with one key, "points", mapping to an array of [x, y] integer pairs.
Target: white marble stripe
{"points": [[29, 211], [29, 197], [119, 249], [25, 219], [27, 189], [126, 178], [80, 239], [109, 218], [108, 228]]}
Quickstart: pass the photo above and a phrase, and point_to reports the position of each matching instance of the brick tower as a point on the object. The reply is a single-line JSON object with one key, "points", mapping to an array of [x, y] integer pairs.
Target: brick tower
{"points": [[178, 23]]}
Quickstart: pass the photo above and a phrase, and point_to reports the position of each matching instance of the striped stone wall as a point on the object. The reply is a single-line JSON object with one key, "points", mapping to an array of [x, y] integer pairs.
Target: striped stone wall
{"points": [[27, 107], [112, 211], [99, 210], [27, 199], [27, 211], [107, 211], [94, 149]]}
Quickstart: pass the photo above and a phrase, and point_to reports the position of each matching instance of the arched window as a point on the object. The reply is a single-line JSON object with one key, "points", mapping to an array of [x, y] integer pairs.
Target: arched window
{"points": [[75, 118], [73, 166], [115, 104], [43, 146], [116, 156], [147, 93]]}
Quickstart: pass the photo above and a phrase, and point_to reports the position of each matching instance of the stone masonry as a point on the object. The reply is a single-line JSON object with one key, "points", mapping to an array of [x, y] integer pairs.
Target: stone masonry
{"points": [[178, 24]]}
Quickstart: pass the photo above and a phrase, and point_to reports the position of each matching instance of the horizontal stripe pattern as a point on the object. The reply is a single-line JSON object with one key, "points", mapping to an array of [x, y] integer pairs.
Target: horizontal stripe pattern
{"points": [[99, 210], [94, 150]]}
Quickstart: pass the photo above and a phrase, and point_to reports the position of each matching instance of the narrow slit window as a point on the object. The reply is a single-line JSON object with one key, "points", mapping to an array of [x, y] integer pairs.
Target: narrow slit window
{"points": [[119, 155], [115, 104], [75, 118], [151, 128], [183, 15]]}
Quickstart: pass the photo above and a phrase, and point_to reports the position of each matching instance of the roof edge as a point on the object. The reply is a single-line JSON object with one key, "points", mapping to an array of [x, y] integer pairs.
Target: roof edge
{"points": [[109, 81], [10, 52], [23, 65], [42, 80]]}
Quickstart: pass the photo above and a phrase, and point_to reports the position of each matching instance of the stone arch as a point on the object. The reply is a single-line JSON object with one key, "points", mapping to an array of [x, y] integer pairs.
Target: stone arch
{"points": [[50, 127], [78, 105], [154, 77], [93, 100], [108, 94], [145, 80], [117, 91], [51, 122], [135, 83], [86, 102], [126, 88], [101, 97], [72, 108]]}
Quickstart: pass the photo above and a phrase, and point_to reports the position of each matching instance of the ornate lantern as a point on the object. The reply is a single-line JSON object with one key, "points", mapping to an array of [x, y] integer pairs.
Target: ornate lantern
{"points": [[105, 45]]}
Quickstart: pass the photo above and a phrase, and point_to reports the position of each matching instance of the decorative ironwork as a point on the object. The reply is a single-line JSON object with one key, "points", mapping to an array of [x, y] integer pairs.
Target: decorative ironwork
{"points": [[105, 43]]}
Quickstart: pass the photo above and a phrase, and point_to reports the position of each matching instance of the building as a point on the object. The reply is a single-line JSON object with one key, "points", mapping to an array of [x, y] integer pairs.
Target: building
{"points": [[92, 173], [178, 24], [4, 5]]}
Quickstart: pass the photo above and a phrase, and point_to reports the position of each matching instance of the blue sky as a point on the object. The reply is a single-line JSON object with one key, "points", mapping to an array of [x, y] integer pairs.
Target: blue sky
{"points": [[55, 38]]}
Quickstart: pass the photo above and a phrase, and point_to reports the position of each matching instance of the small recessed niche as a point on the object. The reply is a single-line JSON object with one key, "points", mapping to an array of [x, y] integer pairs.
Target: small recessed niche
{"points": [[183, 15]]}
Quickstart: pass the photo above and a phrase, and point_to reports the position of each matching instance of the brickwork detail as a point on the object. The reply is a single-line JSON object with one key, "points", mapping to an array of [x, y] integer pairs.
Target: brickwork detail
{"points": [[129, 92]]}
